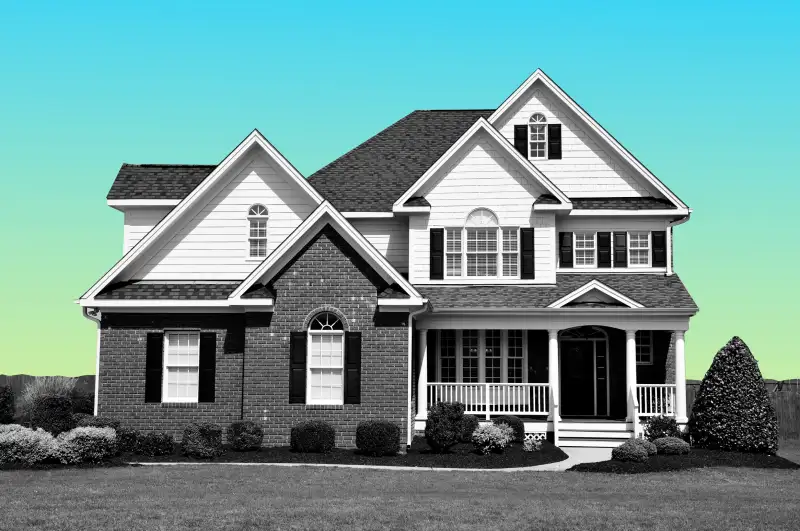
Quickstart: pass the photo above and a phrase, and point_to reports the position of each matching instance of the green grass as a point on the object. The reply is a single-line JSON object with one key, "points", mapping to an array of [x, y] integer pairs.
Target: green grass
{"points": [[229, 497], [790, 449]]}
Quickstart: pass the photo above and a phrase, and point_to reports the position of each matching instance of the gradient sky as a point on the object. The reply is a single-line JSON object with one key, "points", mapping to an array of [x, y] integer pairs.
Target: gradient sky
{"points": [[703, 95]]}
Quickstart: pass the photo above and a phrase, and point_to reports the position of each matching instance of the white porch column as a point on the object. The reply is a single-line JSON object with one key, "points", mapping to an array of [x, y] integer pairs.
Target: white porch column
{"points": [[553, 375], [422, 382], [680, 378], [630, 369]]}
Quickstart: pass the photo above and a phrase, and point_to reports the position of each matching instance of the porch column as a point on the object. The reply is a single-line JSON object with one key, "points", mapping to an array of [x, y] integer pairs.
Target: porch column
{"points": [[553, 376], [680, 378], [422, 382], [630, 370]]}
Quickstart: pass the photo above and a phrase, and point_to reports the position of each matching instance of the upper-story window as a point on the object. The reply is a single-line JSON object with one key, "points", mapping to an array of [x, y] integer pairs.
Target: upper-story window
{"points": [[639, 249], [490, 250], [538, 136], [612, 249], [585, 249], [258, 215]]}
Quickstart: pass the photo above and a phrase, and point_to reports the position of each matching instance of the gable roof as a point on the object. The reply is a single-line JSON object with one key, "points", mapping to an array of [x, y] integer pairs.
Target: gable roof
{"points": [[157, 181], [594, 285], [373, 175]]}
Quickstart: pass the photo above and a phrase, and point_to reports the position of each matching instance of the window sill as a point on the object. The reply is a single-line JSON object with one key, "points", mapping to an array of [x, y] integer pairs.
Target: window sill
{"points": [[334, 407], [179, 405]]}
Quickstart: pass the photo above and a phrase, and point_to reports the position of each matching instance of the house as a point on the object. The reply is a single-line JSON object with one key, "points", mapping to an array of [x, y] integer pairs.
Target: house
{"points": [[518, 259]]}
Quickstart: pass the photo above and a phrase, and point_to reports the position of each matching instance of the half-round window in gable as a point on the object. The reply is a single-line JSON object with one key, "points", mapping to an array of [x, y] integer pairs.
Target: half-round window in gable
{"points": [[326, 321], [538, 136], [258, 215], [482, 217], [258, 210]]}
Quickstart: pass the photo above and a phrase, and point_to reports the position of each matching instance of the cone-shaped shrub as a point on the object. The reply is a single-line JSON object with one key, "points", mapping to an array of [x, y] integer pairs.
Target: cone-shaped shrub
{"points": [[733, 410], [6, 404]]}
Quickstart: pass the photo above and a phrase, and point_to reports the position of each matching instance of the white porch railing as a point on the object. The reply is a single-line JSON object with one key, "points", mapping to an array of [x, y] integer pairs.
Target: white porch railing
{"points": [[656, 399], [493, 398]]}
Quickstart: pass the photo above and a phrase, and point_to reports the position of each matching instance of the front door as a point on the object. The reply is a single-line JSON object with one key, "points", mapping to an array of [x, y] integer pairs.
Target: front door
{"points": [[577, 377]]}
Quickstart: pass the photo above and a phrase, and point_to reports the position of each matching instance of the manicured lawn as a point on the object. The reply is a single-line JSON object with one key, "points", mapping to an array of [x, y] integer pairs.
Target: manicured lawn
{"points": [[790, 449], [230, 497]]}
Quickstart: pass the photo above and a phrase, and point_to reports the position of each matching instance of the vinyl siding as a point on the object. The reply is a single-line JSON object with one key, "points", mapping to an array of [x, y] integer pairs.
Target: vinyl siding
{"points": [[138, 221], [389, 236]]}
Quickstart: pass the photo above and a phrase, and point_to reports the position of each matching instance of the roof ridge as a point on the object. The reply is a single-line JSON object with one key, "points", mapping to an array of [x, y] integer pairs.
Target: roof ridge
{"points": [[150, 165]]}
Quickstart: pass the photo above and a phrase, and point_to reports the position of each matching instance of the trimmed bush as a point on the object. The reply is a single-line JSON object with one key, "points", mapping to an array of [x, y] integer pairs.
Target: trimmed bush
{"points": [[516, 424], [378, 437], [671, 446], [313, 436], [90, 421], [443, 428], [28, 447], [733, 410], [660, 426], [52, 414], [82, 402], [492, 437], [154, 443], [88, 444], [245, 435], [629, 451], [469, 423], [531, 445], [6, 404], [648, 446], [202, 440], [126, 440]]}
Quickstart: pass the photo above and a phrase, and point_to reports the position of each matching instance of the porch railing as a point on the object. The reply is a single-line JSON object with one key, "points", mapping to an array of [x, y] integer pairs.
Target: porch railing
{"points": [[656, 399], [493, 398]]}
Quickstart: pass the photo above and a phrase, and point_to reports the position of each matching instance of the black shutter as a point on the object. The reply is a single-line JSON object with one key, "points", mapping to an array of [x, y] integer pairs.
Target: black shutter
{"points": [[297, 368], [659, 248], [565, 248], [620, 249], [521, 139], [208, 367], [554, 141], [352, 367], [437, 254], [603, 249], [527, 266], [154, 367]]}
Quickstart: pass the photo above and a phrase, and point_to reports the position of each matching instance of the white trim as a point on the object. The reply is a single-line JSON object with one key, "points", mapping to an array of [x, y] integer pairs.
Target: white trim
{"points": [[310, 338], [412, 210], [367, 215], [505, 145], [122, 204], [171, 303], [165, 398], [575, 249], [617, 212], [649, 263], [399, 302], [546, 206], [599, 286], [594, 341], [612, 270], [539, 75]]}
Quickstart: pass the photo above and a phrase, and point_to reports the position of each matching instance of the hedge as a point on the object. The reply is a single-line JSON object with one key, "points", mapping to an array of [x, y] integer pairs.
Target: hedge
{"points": [[443, 428], [313, 436], [245, 435], [378, 437], [203, 440]]}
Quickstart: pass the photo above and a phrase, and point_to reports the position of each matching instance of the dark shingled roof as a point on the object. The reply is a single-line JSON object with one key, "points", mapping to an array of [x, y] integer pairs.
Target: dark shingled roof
{"points": [[649, 290], [258, 291], [621, 203], [157, 181], [139, 290], [393, 292], [417, 202], [547, 199], [373, 175]]}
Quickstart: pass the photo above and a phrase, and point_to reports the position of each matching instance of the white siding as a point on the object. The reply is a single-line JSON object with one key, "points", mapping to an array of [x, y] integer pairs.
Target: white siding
{"points": [[213, 245], [587, 168], [610, 223], [389, 236], [138, 222]]}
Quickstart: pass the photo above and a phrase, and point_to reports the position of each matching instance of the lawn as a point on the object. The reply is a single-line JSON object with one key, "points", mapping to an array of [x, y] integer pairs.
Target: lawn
{"points": [[262, 497], [790, 449]]}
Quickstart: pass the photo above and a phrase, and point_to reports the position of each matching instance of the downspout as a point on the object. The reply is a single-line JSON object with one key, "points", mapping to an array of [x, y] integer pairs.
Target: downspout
{"points": [[674, 223], [411, 316], [96, 319]]}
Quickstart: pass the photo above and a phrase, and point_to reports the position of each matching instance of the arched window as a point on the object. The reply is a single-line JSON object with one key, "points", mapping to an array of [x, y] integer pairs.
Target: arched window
{"points": [[258, 216], [490, 250], [538, 133], [325, 359]]}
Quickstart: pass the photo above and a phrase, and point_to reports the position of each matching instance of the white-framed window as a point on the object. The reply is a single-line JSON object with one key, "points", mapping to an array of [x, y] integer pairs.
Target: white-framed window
{"points": [[477, 356], [181, 367], [481, 252], [585, 249], [638, 249], [448, 370], [516, 357], [453, 252], [510, 252], [257, 216], [482, 248], [325, 378], [470, 356], [538, 136], [493, 364], [644, 347]]}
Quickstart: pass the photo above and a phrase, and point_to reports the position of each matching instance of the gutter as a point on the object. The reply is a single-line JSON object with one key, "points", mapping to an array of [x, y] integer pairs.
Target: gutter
{"points": [[409, 422], [674, 223], [96, 319]]}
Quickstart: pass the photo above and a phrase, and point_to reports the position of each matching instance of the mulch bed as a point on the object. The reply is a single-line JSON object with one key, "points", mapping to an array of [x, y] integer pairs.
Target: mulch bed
{"points": [[419, 455], [697, 458]]}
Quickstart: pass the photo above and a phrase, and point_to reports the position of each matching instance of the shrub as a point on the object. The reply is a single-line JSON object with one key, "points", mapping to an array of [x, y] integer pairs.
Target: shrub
{"points": [[629, 451], [154, 443], [671, 446], [78, 417], [6, 404], [531, 445], [53, 414], [88, 444], [733, 410], [660, 426], [469, 423], [648, 446], [27, 446], [313, 436], [82, 402], [127, 439], [245, 435], [5, 428], [492, 437], [90, 421], [44, 386], [203, 440], [515, 423], [378, 437], [443, 428]]}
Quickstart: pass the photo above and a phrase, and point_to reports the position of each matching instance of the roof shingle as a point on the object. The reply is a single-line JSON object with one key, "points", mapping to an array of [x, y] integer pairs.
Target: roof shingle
{"points": [[157, 181], [139, 290]]}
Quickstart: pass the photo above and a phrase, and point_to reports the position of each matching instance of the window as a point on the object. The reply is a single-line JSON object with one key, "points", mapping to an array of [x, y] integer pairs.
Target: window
{"points": [[638, 249], [510, 252], [481, 252], [490, 251], [453, 252], [644, 347], [494, 357], [585, 249], [538, 132], [258, 216], [515, 356], [447, 355], [181, 366], [478, 356], [469, 356], [325, 360]]}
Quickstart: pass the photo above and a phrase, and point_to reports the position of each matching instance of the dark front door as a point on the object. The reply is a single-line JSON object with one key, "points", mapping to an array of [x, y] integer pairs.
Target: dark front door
{"points": [[577, 377]]}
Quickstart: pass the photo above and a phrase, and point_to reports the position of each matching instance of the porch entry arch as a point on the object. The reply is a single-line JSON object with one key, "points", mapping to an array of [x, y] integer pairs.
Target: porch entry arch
{"points": [[584, 372]]}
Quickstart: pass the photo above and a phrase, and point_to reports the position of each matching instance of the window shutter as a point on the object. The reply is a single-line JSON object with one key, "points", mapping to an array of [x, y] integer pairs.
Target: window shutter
{"points": [[297, 368], [659, 238], [565, 248], [154, 367], [554, 141], [527, 269], [437, 254], [603, 249], [352, 367], [521, 139], [620, 249], [208, 367]]}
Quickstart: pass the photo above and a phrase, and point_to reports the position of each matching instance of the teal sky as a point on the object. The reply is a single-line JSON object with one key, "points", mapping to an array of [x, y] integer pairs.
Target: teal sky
{"points": [[702, 94]]}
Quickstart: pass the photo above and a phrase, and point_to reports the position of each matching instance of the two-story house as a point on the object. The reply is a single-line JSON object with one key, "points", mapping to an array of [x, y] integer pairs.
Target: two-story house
{"points": [[517, 259]]}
